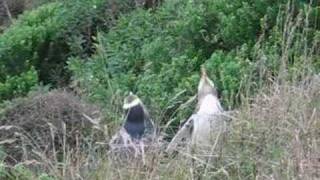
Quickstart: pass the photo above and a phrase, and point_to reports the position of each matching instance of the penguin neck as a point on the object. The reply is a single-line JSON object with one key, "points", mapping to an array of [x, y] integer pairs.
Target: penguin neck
{"points": [[205, 88], [210, 104], [205, 84]]}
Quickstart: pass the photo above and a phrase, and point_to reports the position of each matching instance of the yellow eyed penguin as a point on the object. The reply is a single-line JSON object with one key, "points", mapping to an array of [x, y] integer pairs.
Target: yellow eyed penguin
{"points": [[137, 121], [209, 108], [202, 127], [137, 131]]}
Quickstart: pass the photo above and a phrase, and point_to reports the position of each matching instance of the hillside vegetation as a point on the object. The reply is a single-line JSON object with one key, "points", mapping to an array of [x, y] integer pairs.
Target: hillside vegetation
{"points": [[262, 55]]}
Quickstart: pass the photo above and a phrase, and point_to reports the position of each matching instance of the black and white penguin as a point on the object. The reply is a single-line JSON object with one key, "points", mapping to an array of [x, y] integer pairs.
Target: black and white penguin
{"points": [[137, 120], [206, 120], [206, 88], [208, 112], [138, 130]]}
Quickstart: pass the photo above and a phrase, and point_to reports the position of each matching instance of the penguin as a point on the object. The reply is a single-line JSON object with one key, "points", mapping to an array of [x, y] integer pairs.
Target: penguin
{"points": [[208, 111], [206, 88], [137, 130], [200, 129], [137, 120]]}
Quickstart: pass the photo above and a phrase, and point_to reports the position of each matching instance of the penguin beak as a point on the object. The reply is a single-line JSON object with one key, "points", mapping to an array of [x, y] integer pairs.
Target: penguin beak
{"points": [[204, 76], [203, 72]]}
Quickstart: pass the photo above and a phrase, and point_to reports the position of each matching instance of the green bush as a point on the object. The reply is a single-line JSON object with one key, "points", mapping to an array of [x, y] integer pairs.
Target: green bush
{"points": [[158, 54], [18, 85], [230, 72], [239, 21], [45, 37]]}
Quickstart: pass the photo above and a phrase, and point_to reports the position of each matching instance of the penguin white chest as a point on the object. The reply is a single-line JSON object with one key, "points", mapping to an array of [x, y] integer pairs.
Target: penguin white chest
{"points": [[210, 105], [201, 131], [203, 122]]}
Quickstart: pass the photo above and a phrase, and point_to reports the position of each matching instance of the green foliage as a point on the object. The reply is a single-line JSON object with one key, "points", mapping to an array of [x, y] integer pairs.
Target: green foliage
{"points": [[46, 177], [158, 54], [245, 45], [229, 71], [239, 21], [20, 172], [2, 170], [18, 85], [45, 37]]}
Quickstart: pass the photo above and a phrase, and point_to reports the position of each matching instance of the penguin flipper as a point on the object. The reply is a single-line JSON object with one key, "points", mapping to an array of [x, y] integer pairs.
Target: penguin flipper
{"points": [[184, 133]]}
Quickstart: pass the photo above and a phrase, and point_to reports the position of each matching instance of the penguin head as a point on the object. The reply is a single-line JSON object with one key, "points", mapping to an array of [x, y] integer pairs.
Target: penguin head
{"points": [[205, 86], [208, 102], [130, 101]]}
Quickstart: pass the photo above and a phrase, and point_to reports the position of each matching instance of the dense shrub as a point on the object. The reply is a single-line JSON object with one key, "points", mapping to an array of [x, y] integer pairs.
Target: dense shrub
{"points": [[45, 37], [230, 72], [158, 54], [15, 86], [39, 37]]}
